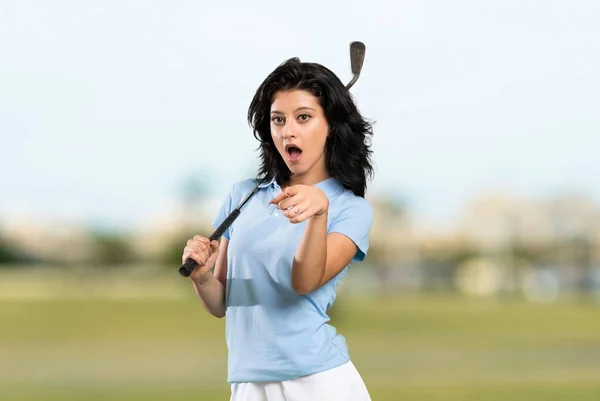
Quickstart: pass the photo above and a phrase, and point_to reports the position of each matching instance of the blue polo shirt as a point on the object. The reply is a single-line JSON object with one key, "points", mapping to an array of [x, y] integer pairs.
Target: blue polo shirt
{"points": [[272, 333]]}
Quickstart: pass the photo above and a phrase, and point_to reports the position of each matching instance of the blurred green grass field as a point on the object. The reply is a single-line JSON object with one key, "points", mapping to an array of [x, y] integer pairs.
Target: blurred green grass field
{"points": [[427, 347]]}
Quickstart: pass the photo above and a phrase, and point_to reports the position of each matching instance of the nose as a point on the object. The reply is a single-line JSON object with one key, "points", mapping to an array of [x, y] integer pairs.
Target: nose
{"points": [[289, 131]]}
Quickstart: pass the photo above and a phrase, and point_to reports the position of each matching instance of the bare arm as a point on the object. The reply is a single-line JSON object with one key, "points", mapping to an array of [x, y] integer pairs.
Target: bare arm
{"points": [[209, 286], [320, 256]]}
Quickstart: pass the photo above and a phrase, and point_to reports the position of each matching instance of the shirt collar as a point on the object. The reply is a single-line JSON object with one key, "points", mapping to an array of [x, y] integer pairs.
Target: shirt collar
{"points": [[329, 186], [268, 183]]}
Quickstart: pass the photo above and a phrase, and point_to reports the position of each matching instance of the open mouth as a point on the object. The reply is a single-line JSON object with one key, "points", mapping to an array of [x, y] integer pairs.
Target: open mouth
{"points": [[293, 152]]}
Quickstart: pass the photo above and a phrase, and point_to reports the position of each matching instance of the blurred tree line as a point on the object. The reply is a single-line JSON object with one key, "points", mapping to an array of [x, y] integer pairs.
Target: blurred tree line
{"points": [[9, 255], [396, 255]]}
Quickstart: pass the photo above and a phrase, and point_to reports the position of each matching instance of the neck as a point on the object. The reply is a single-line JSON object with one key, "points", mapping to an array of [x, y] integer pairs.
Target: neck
{"points": [[308, 178]]}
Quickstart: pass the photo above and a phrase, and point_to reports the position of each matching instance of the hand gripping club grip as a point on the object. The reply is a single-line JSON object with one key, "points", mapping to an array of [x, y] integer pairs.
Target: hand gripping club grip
{"points": [[189, 265]]}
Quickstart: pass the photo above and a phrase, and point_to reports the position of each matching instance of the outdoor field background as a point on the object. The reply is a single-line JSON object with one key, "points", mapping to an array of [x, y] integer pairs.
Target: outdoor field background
{"points": [[109, 345]]}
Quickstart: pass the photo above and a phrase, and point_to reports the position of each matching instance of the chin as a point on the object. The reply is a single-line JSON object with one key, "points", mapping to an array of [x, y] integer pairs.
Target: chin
{"points": [[295, 169]]}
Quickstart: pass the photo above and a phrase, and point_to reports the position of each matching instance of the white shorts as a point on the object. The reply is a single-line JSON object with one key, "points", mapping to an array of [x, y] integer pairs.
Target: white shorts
{"points": [[338, 384]]}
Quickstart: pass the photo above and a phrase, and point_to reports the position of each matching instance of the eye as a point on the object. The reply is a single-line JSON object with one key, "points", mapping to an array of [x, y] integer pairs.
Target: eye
{"points": [[277, 120], [304, 117]]}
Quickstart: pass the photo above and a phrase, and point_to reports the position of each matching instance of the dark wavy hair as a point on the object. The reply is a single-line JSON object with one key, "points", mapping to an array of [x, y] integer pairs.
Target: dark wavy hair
{"points": [[347, 149]]}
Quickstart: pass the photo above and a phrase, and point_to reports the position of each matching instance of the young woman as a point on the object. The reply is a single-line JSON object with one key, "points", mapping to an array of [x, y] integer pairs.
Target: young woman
{"points": [[277, 267]]}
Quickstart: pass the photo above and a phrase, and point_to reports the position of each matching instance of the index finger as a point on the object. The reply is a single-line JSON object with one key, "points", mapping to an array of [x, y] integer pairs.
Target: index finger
{"points": [[288, 192], [282, 195]]}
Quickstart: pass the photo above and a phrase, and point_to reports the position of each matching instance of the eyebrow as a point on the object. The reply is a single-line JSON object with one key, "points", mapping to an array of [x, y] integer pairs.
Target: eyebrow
{"points": [[299, 108]]}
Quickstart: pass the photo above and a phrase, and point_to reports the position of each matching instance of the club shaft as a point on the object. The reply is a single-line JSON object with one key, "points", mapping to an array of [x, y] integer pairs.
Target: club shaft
{"points": [[352, 82]]}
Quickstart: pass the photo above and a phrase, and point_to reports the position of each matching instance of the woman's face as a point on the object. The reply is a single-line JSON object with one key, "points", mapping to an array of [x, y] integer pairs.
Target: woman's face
{"points": [[299, 130]]}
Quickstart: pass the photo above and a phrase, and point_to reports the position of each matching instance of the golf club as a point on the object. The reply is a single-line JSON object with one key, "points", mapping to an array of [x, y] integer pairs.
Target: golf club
{"points": [[190, 264], [357, 57]]}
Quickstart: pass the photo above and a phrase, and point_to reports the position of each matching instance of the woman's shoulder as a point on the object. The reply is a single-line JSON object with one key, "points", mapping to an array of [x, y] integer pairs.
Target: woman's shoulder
{"points": [[239, 189], [348, 202], [245, 185]]}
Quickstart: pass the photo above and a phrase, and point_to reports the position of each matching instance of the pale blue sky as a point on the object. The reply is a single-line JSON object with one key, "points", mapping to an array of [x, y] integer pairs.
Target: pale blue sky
{"points": [[106, 106]]}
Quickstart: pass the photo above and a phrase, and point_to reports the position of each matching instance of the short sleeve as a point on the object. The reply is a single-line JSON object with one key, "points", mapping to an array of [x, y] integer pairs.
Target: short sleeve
{"points": [[224, 210], [355, 221]]}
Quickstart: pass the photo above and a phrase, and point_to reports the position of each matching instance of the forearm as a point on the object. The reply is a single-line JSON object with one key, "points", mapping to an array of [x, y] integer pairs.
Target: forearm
{"points": [[310, 259], [211, 293]]}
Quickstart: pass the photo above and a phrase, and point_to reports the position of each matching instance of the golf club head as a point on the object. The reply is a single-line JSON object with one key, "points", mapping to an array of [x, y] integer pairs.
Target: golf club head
{"points": [[357, 58]]}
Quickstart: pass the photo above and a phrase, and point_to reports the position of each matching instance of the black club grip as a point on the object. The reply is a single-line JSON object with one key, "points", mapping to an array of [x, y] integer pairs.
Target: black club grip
{"points": [[188, 267]]}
